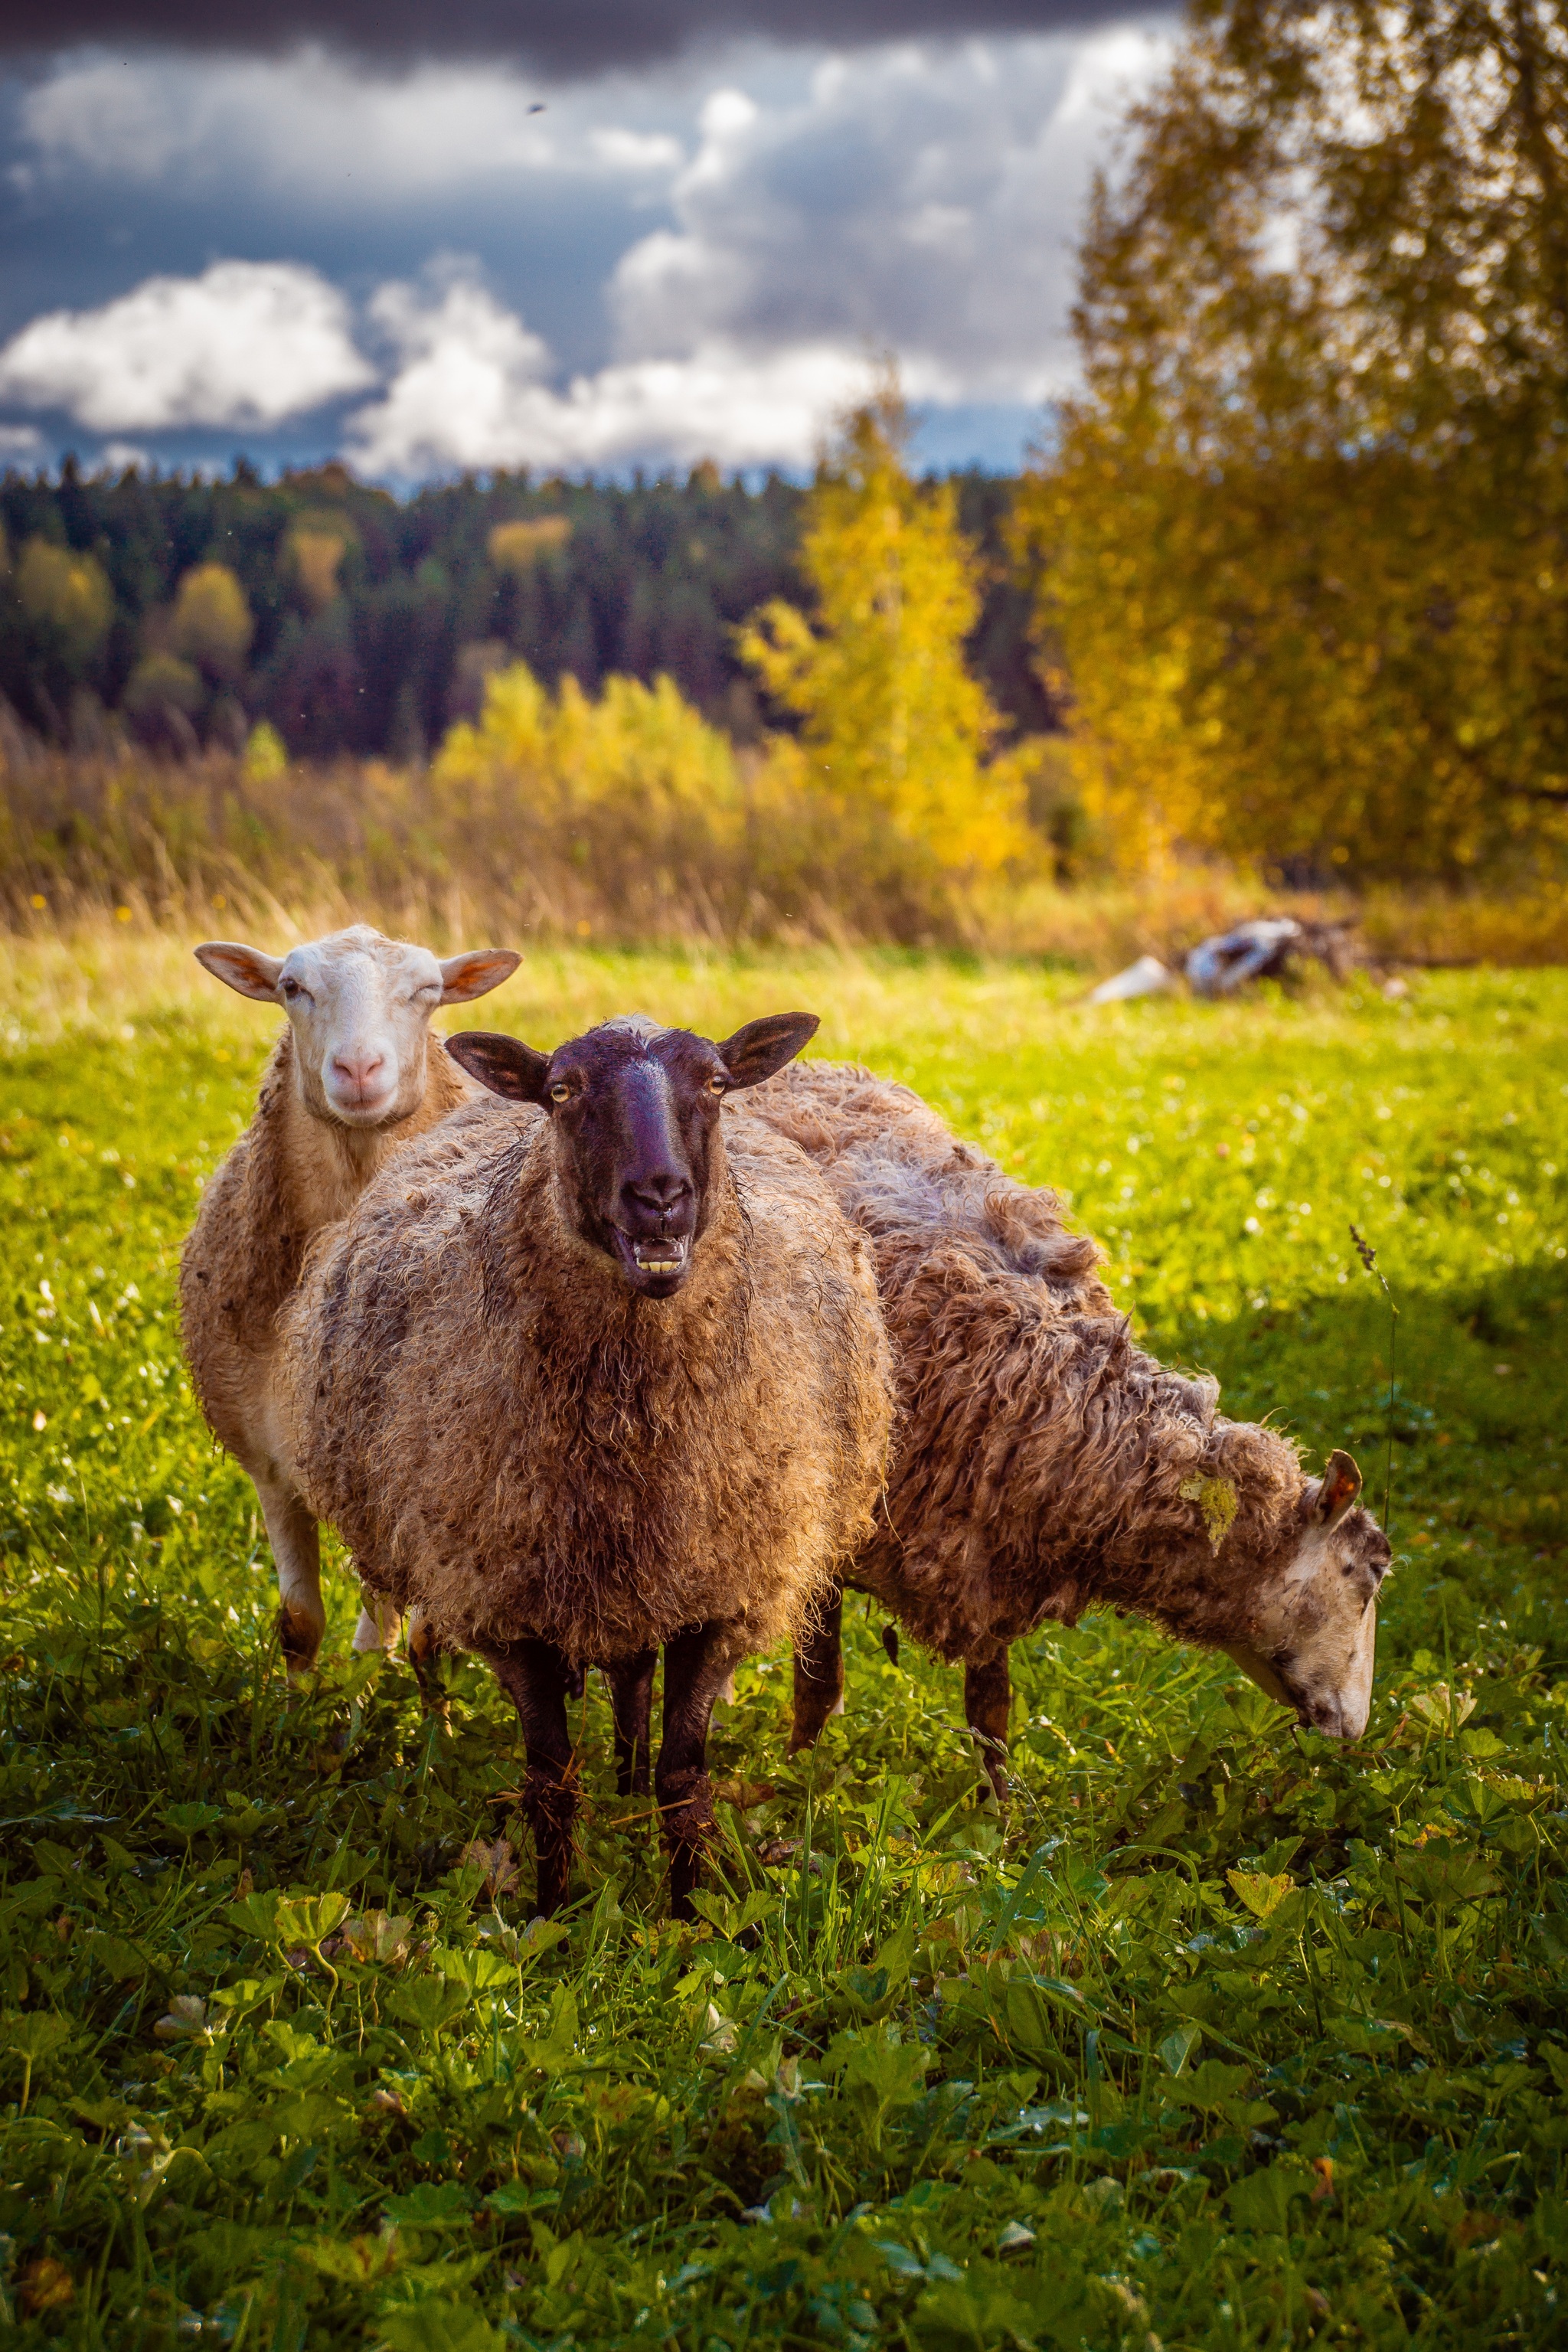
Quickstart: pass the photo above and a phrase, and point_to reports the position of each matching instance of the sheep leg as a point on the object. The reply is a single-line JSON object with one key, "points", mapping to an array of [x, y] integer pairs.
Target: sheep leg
{"points": [[424, 1658], [987, 1701], [296, 1554], [380, 1622], [818, 1676], [631, 1703], [695, 1665], [534, 1677]]}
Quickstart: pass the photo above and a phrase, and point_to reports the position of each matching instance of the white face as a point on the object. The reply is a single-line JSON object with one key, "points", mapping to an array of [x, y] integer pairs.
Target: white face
{"points": [[360, 1008], [361, 1016], [1314, 1632]]}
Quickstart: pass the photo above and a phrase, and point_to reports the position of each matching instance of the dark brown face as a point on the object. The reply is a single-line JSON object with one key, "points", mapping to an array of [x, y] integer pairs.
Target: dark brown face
{"points": [[634, 1109], [636, 1121]]}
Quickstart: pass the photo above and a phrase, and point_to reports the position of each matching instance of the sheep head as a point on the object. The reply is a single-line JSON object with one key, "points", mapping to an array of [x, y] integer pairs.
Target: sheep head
{"points": [[360, 1008], [1313, 1634], [633, 1114]]}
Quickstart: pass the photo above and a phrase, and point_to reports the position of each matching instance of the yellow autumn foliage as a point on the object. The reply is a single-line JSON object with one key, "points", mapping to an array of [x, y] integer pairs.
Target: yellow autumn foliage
{"points": [[641, 752], [1300, 532], [894, 721]]}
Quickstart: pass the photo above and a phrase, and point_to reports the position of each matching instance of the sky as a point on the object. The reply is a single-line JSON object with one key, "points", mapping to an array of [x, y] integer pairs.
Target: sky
{"points": [[430, 239]]}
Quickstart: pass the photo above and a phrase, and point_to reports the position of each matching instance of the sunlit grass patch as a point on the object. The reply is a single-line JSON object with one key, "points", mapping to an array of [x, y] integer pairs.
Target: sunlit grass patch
{"points": [[1224, 2036]]}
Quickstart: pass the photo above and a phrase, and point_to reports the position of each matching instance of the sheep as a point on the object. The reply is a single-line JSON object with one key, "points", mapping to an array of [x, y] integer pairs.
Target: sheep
{"points": [[1043, 1463], [352, 1079], [583, 1377]]}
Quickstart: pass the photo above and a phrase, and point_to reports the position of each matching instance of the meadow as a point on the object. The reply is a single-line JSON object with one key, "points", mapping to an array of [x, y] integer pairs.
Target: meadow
{"points": [[1224, 2037]]}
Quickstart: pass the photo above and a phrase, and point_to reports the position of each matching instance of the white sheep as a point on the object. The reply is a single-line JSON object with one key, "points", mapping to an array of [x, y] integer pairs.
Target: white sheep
{"points": [[355, 1076]]}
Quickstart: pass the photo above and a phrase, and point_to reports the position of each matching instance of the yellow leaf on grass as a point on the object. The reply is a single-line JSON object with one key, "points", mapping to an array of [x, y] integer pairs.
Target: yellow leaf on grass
{"points": [[1217, 1499], [1261, 1894]]}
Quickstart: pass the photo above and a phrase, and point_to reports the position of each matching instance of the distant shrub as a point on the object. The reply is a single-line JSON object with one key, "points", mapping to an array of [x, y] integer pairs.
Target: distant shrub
{"points": [[518, 546], [67, 595], [211, 624]]}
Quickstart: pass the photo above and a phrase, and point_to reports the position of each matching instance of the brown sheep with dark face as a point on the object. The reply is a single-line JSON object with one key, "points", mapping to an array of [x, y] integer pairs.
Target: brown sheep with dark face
{"points": [[1042, 1462], [593, 1377]]}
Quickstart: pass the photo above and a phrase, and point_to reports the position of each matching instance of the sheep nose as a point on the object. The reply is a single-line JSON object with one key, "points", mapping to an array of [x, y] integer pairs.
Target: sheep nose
{"points": [[357, 1069], [662, 1194]]}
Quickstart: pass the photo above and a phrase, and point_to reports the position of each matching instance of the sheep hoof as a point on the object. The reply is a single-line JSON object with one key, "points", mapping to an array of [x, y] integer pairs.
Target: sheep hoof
{"points": [[891, 1641], [300, 1642]]}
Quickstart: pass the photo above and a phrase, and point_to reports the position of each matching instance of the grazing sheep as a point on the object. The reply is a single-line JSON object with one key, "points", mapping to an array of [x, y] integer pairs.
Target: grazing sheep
{"points": [[353, 1077], [581, 1384], [1044, 1464]]}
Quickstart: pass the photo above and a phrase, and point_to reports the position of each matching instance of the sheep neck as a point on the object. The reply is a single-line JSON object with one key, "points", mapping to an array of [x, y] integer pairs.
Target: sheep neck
{"points": [[324, 1165], [1196, 1591], [607, 1344]]}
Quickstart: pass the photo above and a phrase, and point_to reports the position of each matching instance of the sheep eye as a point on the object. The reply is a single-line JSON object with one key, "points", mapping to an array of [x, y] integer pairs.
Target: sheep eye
{"points": [[560, 1092], [717, 1086]]}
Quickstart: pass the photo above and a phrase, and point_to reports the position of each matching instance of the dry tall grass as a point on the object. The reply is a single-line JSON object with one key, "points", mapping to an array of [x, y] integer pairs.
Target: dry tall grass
{"points": [[106, 862]]}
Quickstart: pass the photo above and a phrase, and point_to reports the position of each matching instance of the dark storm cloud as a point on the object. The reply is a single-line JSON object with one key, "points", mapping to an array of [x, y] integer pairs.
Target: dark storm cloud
{"points": [[583, 37]]}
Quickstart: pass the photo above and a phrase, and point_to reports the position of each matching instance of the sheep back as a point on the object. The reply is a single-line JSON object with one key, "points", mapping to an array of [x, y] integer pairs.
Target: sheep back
{"points": [[896, 1169], [524, 1446], [1038, 1453]]}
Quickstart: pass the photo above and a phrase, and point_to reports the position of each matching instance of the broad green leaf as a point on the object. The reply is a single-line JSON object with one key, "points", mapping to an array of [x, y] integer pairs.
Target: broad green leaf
{"points": [[432, 2205], [512, 2197], [189, 1820], [435, 2326], [310, 1920], [115, 1955], [1178, 2047], [1261, 2202], [427, 2003], [256, 1915], [476, 1971], [34, 2036], [1446, 1874], [354, 2262]]}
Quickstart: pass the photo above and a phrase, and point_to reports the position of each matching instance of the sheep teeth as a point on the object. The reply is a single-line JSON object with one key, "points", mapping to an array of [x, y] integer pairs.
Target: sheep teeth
{"points": [[671, 1256]]}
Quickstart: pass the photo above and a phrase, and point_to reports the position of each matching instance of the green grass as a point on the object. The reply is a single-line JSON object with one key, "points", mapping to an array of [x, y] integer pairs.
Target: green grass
{"points": [[1224, 2039]]}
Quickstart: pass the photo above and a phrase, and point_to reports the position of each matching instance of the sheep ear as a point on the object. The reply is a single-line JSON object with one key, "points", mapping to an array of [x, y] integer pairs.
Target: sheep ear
{"points": [[1342, 1485], [505, 1065], [245, 969], [759, 1049], [464, 977]]}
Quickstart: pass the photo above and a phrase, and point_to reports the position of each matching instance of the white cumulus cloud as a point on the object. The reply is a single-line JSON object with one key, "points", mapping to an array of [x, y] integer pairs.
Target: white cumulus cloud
{"points": [[695, 261], [246, 343], [317, 124], [471, 388], [923, 197]]}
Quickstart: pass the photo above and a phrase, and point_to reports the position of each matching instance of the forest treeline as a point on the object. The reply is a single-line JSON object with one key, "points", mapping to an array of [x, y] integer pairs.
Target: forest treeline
{"points": [[889, 793], [356, 625]]}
